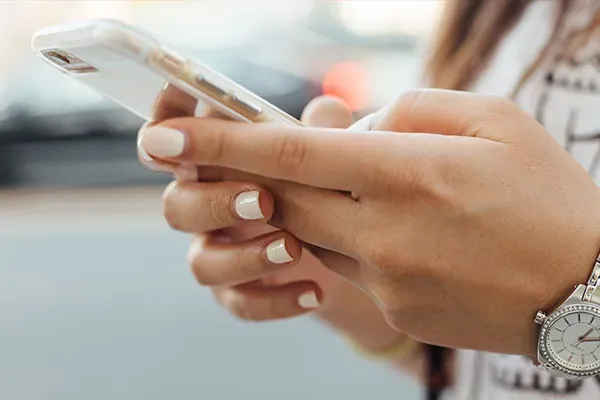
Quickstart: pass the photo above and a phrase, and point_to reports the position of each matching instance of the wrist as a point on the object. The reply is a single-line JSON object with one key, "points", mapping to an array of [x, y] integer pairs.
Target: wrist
{"points": [[567, 335]]}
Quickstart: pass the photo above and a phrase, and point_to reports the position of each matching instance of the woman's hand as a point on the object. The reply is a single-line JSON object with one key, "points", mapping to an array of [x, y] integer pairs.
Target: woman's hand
{"points": [[244, 261], [460, 233], [255, 271]]}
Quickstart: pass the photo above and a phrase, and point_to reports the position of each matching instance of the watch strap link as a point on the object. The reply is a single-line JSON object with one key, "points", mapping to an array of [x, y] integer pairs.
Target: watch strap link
{"points": [[592, 291]]}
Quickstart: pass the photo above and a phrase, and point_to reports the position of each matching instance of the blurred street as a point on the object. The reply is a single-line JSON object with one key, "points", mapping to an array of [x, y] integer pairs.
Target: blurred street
{"points": [[96, 299], [96, 302]]}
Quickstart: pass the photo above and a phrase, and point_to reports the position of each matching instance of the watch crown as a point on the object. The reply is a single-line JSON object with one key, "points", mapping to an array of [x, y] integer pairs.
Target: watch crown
{"points": [[540, 317]]}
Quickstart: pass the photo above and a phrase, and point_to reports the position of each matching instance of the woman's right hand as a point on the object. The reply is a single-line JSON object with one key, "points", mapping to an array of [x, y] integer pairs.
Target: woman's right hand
{"points": [[254, 270]]}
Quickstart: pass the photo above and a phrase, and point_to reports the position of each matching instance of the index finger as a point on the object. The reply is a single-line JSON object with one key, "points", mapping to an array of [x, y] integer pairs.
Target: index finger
{"points": [[327, 158]]}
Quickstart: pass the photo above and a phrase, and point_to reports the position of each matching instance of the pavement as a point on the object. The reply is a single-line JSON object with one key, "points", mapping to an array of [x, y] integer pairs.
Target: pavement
{"points": [[96, 302]]}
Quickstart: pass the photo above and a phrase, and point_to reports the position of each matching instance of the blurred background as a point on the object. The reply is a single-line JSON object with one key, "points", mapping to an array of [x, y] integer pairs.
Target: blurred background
{"points": [[96, 300]]}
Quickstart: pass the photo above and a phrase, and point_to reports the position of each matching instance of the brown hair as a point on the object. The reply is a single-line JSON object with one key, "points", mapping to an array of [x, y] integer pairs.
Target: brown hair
{"points": [[469, 35]]}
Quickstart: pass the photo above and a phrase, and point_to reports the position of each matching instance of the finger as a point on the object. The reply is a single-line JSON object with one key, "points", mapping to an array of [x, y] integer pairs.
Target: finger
{"points": [[181, 172], [364, 124], [282, 152], [324, 111], [203, 207], [336, 262], [173, 102], [218, 264], [450, 113], [260, 303], [317, 216], [311, 214], [327, 112]]}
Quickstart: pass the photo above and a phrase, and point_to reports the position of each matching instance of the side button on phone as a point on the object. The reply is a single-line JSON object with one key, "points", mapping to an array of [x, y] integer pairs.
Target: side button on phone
{"points": [[206, 85], [249, 108]]}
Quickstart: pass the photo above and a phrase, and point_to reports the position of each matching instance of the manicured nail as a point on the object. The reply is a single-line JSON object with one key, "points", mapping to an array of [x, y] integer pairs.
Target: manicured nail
{"points": [[309, 300], [143, 152], [277, 253], [159, 141], [247, 205]]}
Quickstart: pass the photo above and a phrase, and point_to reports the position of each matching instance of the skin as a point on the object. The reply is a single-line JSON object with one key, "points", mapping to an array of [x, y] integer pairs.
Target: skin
{"points": [[460, 216], [227, 253]]}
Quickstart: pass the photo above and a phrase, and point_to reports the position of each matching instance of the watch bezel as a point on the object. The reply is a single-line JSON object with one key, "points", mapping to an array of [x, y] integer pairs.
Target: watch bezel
{"points": [[546, 354]]}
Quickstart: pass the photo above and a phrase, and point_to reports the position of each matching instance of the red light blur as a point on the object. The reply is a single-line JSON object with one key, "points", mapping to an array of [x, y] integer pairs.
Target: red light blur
{"points": [[349, 82]]}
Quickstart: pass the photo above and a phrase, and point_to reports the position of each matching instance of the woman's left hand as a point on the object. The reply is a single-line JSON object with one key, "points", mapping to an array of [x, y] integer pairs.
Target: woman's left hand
{"points": [[460, 233]]}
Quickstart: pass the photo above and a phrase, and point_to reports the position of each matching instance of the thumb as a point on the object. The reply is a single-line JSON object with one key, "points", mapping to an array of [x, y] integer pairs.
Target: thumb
{"points": [[455, 113], [327, 112]]}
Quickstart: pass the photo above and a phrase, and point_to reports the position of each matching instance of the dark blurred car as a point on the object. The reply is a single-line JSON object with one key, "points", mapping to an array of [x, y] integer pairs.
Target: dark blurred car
{"points": [[81, 144]]}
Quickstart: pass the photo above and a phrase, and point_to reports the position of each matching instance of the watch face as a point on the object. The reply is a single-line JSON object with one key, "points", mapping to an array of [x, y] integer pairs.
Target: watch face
{"points": [[570, 340]]}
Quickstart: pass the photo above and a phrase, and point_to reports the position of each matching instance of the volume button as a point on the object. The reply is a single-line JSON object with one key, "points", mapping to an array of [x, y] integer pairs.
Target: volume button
{"points": [[170, 61], [203, 84], [249, 108]]}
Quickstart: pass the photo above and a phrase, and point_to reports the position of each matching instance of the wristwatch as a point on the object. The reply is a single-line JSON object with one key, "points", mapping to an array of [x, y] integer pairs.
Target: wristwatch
{"points": [[569, 340]]}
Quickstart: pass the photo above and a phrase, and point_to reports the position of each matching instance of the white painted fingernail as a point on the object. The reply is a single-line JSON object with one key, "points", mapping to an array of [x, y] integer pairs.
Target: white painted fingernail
{"points": [[145, 156], [277, 253], [159, 141], [247, 205], [309, 300]]}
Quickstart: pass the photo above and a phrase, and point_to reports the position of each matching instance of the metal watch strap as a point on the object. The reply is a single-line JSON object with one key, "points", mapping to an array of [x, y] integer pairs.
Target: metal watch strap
{"points": [[592, 291], [588, 292]]}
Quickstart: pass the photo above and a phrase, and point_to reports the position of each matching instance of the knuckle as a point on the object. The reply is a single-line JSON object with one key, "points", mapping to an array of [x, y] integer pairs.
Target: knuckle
{"points": [[234, 303], [202, 277], [196, 264], [241, 263], [218, 208], [214, 145], [290, 154], [171, 211], [240, 307], [405, 104], [500, 107], [200, 265], [408, 98]]}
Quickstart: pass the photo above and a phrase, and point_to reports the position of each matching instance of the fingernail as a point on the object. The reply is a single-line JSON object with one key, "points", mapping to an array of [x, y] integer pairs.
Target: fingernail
{"points": [[143, 152], [247, 205], [159, 141], [309, 300], [277, 253]]}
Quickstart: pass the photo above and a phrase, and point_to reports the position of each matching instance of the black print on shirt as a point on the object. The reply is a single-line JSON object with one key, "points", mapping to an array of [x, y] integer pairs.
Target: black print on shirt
{"points": [[527, 378], [569, 107], [535, 382], [571, 94], [538, 382]]}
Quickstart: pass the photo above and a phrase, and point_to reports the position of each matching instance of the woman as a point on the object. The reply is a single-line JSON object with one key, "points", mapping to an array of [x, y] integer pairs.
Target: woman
{"points": [[454, 237]]}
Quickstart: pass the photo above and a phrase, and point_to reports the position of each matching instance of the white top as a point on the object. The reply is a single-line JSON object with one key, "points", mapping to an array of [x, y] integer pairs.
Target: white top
{"points": [[564, 96]]}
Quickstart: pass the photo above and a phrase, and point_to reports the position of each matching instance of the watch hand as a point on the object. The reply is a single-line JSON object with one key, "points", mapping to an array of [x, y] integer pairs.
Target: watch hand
{"points": [[585, 335], [593, 339]]}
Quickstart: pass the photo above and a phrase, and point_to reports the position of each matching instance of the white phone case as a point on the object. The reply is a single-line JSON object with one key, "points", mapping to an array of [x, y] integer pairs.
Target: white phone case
{"points": [[136, 71]]}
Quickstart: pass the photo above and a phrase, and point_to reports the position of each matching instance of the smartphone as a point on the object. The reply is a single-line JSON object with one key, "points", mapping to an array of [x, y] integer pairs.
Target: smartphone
{"points": [[137, 71]]}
